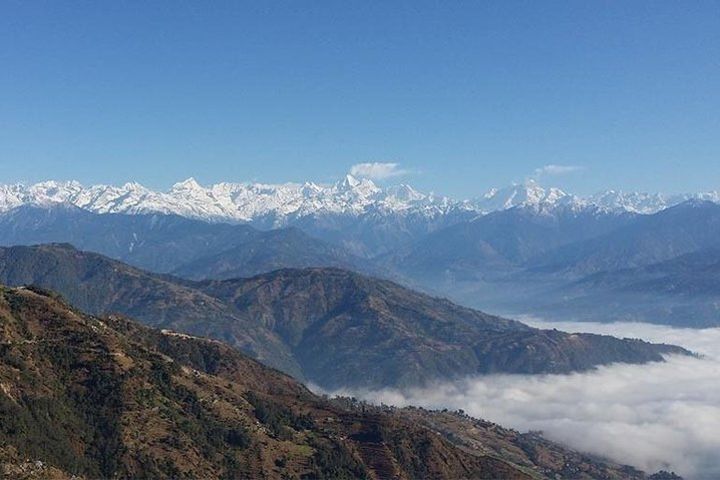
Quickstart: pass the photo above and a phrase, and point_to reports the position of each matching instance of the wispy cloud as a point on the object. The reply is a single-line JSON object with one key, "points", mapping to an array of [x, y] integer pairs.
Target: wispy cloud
{"points": [[553, 170], [377, 170], [654, 416]]}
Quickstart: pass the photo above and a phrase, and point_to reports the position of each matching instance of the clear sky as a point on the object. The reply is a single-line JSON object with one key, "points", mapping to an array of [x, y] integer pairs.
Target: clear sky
{"points": [[461, 95]]}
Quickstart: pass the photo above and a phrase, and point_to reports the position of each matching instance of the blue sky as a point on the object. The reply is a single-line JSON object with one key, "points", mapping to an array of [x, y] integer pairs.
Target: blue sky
{"points": [[461, 95]]}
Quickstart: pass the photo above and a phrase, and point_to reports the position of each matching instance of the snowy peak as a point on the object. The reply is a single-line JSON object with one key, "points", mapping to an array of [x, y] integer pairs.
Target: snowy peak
{"points": [[531, 195], [635, 202], [404, 193], [363, 187], [187, 185], [646, 203], [348, 182], [528, 194], [235, 202], [278, 205]]}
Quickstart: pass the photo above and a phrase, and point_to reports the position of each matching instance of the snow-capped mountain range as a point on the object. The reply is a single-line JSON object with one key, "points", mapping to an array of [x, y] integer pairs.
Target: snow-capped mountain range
{"points": [[278, 204], [238, 202]]}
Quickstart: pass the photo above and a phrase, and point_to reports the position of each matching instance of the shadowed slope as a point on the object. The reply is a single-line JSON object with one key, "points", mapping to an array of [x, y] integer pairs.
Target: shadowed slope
{"points": [[109, 398], [330, 326]]}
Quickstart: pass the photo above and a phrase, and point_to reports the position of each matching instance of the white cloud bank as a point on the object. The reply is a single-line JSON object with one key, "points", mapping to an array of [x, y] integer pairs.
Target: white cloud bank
{"points": [[654, 416], [555, 170], [377, 170], [703, 341]]}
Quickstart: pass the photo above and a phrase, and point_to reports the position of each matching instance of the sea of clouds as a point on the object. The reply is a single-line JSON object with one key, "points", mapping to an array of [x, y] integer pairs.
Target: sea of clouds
{"points": [[654, 416]]}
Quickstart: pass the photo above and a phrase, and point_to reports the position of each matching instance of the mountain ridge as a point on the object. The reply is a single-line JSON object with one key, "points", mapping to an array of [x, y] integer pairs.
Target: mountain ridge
{"points": [[91, 397], [275, 205], [166, 243], [333, 327]]}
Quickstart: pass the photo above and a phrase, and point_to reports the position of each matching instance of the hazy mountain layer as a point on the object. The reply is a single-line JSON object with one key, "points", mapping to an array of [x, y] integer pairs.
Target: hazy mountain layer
{"points": [[165, 243], [646, 240], [500, 242], [522, 260], [683, 291], [366, 219]]}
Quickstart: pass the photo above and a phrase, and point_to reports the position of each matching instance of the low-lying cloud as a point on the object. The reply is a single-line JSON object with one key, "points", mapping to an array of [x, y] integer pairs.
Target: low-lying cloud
{"points": [[654, 416], [704, 341], [377, 170]]}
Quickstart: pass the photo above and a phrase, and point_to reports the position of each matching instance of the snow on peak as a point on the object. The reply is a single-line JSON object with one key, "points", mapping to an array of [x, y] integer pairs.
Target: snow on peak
{"points": [[280, 204], [357, 186], [349, 182], [237, 202], [527, 194], [646, 203], [404, 193], [635, 202], [189, 184]]}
